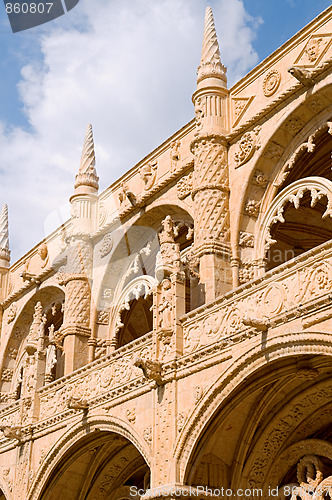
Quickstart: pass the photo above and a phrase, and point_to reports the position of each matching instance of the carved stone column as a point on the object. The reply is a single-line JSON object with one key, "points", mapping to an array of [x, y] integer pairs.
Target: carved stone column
{"points": [[211, 185], [76, 322], [212, 225]]}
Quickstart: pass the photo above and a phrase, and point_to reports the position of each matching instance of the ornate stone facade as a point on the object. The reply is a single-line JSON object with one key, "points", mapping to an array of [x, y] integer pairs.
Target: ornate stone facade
{"points": [[176, 331]]}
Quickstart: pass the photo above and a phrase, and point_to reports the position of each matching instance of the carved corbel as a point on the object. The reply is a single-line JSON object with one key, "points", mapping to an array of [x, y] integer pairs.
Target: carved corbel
{"points": [[77, 403], [302, 75], [31, 278], [260, 324], [151, 369], [11, 432]]}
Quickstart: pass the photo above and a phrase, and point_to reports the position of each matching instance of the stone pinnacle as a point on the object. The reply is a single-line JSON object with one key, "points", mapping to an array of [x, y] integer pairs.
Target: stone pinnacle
{"points": [[87, 174], [210, 65]]}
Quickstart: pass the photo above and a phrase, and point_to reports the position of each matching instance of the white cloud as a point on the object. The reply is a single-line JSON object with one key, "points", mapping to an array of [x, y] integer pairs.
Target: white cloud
{"points": [[126, 66]]}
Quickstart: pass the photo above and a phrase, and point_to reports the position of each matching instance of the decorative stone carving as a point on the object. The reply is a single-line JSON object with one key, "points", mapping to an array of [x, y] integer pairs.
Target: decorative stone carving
{"points": [[11, 432], [181, 420], [12, 352], [241, 104], [293, 125], [136, 265], [252, 208], [165, 308], [175, 154], [316, 104], [101, 348], [43, 255], [199, 113], [258, 323], [198, 393], [246, 239], [147, 435], [247, 271], [125, 193], [151, 369], [107, 293], [271, 82], [165, 343], [103, 214], [77, 304], [87, 175], [50, 363], [248, 144], [77, 403], [12, 311], [260, 179], [168, 259], [311, 482], [103, 317], [148, 174], [131, 415], [211, 194], [273, 151], [106, 245], [314, 50], [6, 375], [36, 329], [210, 65], [185, 186], [308, 146], [302, 75], [26, 275]]}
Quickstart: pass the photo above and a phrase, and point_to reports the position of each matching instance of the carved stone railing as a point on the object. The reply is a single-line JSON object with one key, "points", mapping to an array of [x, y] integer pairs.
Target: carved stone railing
{"points": [[297, 288], [96, 380]]}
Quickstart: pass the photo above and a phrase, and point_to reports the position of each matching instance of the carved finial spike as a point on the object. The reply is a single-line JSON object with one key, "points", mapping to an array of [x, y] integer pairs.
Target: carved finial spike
{"points": [[210, 65], [4, 234], [87, 174]]}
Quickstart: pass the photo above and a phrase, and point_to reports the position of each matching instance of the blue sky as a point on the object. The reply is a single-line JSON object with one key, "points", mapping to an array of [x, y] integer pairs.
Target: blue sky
{"points": [[126, 66]]}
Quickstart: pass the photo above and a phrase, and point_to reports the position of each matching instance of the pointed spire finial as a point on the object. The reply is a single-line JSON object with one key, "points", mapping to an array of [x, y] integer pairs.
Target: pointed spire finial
{"points": [[4, 236], [210, 66], [87, 174]]}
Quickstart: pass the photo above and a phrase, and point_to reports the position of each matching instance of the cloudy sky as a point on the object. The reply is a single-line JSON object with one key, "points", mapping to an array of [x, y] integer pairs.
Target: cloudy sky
{"points": [[126, 66]]}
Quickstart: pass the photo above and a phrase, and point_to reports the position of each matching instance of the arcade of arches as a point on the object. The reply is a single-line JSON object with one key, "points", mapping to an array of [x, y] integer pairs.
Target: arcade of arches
{"points": [[175, 332]]}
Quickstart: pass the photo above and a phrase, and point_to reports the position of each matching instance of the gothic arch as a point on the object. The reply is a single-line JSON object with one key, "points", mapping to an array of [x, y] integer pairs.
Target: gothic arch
{"points": [[130, 243], [286, 346], [277, 152], [94, 426], [318, 188], [139, 287], [131, 263]]}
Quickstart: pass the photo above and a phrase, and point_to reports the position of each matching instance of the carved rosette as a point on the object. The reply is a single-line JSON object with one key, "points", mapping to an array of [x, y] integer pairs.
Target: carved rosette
{"points": [[211, 192], [247, 146]]}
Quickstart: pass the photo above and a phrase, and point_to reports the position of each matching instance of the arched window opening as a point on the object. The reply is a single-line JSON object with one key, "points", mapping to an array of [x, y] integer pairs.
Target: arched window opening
{"points": [[302, 229], [137, 320]]}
